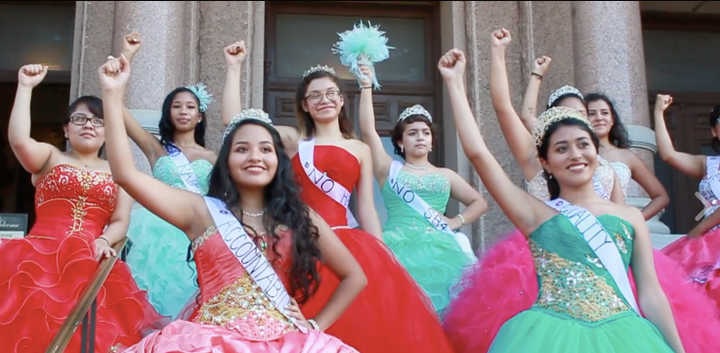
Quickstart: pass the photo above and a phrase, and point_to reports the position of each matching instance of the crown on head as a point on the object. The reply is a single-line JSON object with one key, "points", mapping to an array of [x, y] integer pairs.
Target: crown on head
{"points": [[563, 91], [552, 116], [247, 114], [203, 96], [416, 109], [319, 68]]}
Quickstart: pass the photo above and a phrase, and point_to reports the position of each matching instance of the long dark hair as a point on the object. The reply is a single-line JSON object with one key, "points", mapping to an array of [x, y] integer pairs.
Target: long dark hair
{"points": [[618, 135], [95, 106], [714, 116], [552, 183], [306, 125], [283, 207], [399, 130], [166, 126]]}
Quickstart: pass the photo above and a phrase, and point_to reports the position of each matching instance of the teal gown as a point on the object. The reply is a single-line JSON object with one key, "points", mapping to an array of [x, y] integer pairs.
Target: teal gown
{"points": [[433, 258], [579, 308], [159, 254]]}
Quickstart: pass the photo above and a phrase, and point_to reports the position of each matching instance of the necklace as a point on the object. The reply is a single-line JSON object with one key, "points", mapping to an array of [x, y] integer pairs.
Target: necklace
{"points": [[414, 167], [253, 215]]}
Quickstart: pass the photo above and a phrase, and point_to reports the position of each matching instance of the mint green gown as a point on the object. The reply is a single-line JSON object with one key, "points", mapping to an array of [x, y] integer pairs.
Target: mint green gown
{"points": [[159, 253], [433, 258], [579, 308]]}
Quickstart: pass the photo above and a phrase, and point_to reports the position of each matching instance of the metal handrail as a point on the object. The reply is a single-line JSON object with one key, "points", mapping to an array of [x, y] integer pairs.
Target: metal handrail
{"points": [[84, 304]]}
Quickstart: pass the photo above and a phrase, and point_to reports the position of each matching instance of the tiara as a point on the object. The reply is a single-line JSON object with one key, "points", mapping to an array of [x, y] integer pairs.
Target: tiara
{"points": [[247, 114], [552, 116], [563, 91], [319, 68], [203, 96], [416, 109]]}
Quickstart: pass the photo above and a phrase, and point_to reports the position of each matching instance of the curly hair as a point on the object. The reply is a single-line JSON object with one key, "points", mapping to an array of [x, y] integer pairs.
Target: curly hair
{"points": [[166, 126], [283, 207]]}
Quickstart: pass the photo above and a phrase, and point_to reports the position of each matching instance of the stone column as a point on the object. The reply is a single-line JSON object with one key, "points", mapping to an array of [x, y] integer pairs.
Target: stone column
{"points": [[609, 58]]}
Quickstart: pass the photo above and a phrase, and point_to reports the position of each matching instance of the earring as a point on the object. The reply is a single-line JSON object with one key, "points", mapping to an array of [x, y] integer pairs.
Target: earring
{"points": [[430, 150], [402, 149], [550, 176]]}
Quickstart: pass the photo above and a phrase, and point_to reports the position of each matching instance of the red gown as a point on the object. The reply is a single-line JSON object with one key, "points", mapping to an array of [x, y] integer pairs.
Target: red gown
{"points": [[392, 314], [44, 274]]}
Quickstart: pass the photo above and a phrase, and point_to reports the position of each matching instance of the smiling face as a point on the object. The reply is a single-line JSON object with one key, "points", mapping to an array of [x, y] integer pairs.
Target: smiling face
{"points": [[184, 111], [601, 117], [84, 130], [253, 159], [571, 155], [323, 100]]}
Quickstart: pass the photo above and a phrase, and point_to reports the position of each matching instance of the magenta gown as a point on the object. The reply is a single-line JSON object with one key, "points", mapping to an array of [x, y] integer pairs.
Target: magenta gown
{"points": [[233, 314]]}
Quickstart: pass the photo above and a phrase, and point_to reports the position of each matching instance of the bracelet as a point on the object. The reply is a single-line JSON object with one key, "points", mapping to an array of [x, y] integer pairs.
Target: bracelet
{"points": [[314, 324], [100, 237], [368, 87], [537, 74], [462, 219]]}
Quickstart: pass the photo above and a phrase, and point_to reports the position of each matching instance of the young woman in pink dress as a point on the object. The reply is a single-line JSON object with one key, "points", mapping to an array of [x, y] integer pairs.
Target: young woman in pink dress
{"points": [[255, 243]]}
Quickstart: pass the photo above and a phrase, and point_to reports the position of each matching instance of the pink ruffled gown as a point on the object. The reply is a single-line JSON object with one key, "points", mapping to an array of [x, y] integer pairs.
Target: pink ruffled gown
{"points": [[503, 283], [233, 314]]}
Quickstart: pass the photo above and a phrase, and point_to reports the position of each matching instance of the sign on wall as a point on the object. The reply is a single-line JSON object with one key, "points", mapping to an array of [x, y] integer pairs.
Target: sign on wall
{"points": [[13, 225]]}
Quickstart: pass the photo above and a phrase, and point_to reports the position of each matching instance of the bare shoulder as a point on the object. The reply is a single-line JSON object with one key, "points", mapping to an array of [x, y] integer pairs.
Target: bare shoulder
{"points": [[630, 214], [358, 148], [209, 155]]}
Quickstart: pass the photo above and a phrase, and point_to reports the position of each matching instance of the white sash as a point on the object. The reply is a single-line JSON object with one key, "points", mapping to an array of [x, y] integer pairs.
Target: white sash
{"points": [[601, 243], [331, 188], [712, 170], [249, 256], [184, 167], [420, 206], [599, 189]]}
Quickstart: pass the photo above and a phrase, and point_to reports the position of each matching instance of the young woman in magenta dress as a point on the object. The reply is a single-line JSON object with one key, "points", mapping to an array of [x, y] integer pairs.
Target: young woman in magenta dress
{"points": [[254, 241], [159, 255], [586, 302], [428, 246], [81, 213], [392, 314]]}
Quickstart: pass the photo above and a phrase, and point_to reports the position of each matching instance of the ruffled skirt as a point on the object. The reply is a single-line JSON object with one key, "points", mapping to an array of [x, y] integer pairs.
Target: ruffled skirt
{"points": [[503, 284], [392, 314], [41, 280], [158, 261]]}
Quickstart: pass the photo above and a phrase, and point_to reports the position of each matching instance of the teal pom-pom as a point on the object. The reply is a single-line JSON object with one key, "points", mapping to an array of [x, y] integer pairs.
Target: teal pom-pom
{"points": [[365, 45]]}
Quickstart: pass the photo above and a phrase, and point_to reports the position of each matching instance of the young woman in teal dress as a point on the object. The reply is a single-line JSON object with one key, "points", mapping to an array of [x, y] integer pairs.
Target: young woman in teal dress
{"points": [[416, 194], [585, 301], [159, 257]]}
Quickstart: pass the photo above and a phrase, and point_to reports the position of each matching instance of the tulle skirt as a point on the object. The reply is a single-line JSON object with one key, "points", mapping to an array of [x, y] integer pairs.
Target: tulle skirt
{"points": [[392, 314], [700, 258], [189, 337], [41, 280], [503, 284], [158, 261], [434, 259]]}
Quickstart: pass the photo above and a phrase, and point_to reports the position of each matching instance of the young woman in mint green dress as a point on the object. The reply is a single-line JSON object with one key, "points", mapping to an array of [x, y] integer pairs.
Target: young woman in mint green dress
{"points": [[416, 194], [581, 244]]}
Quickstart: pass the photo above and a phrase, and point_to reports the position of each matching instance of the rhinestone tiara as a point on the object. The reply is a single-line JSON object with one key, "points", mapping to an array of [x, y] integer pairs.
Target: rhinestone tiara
{"points": [[416, 109], [552, 116], [563, 91], [247, 114], [319, 68]]}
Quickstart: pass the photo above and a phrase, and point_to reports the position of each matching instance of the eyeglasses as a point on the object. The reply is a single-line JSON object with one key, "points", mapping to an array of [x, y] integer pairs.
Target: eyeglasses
{"points": [[81, 119], [316, 97]]}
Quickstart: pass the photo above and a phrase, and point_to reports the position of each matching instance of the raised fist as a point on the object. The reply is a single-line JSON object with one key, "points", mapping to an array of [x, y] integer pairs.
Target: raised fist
{"points": [[235, 53], [31, 75], [501, 38], [452, 64]]}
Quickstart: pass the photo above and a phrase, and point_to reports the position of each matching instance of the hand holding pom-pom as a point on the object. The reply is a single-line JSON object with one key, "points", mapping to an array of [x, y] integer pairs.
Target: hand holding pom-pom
{"points": [[114, 74], [363, 45], [365, 76]]}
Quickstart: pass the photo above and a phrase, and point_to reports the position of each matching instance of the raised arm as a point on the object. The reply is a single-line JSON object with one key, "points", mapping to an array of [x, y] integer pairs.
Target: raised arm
{"points": [[517, 136], [381, 160], [31, 154], [528, 113], [467, 195], [178, 207], [651, 297], [688, 164], [231, 100], [524, 210], [367, 214], [342, 263], [650, 183]]}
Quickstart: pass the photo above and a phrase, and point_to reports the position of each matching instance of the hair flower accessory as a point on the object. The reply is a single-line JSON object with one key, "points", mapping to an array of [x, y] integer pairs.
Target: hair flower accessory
{"points": [[247, 114], [552, 116], [416, 109], [365, 45], [203, 96]]}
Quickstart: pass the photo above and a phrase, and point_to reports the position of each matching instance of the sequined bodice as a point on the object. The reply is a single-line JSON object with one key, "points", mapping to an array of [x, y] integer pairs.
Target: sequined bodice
{"points": [[572, 280], [70, 201], [228, 295], [432, 188], [166, 171], [712, 175], [624, 175], [537, 186]]}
